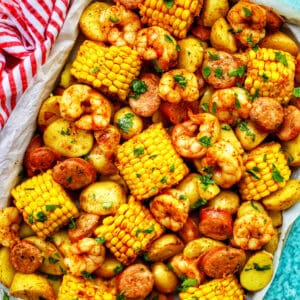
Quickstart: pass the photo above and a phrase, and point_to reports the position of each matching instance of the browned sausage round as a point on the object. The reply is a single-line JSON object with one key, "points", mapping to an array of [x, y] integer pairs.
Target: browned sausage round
{"points": [[189, 231], [136, 281], [25, 257], [267, 113], [85, 225], [221, 261], [147, 103], [74, 173], [43, 158]]}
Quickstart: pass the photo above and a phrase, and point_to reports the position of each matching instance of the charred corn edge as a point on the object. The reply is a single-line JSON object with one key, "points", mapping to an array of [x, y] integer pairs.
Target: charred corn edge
{"points": [[267, 171], [130, 231], [80, 288], [44, 204], [224, 288], [176, 19], [270, 73], [149, 163], [110, 69]]}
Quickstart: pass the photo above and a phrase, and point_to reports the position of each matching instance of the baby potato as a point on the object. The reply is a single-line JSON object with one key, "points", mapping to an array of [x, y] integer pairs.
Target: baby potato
{"points": [[49, 112], [226, 200], [66, 139], [249, 135], [257, 272], [250, 207], [7, 271], [128, 122], [25, 230], [272, 245], [164, 247], [195, 248], [276, 216], [110, 267], [221, 37], [228, 135], [292, 148], [165, 281], [102, 198], [285, 197], [190, 55], [213, 10]]}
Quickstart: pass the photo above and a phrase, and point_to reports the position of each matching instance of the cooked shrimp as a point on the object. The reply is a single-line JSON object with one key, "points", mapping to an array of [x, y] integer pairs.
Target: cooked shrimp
{"points": [[291, 124], [252, 231], [10, 219], [130, 4], [89, 109], [170, 209], [145, 100], [192, 138], [178, 85], [267, 113], [230, 105], [227, 164], [187, 267], [248, 20], [119, 25], [218, 67], [156, 44], [108, 139], [86, 255], [25, 257]]}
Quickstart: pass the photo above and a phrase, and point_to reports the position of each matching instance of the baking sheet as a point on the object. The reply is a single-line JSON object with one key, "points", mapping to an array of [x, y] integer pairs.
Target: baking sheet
{"points": [[19, 129]]}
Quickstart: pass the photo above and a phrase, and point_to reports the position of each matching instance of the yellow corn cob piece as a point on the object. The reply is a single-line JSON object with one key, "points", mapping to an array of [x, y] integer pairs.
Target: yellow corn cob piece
{"points": [[44, 204], [109, 69], [270, 73], [80, 288], [175, 17], [267, 171], [130, 231], [149, 163], [217, 289]]}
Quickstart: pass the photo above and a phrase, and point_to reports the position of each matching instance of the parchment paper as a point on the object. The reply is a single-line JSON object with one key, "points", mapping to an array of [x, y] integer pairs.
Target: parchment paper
{"points": [[20, 127]]}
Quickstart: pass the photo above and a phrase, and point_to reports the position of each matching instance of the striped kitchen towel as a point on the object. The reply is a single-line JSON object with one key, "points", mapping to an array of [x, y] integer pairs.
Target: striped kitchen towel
{"points": [[28, 29]]}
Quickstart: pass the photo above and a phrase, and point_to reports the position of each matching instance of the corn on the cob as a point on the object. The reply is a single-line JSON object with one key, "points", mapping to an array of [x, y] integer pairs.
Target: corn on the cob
{"points": [[267, 171], [149, 163], [44, 204], [109, 69], [227, 288], [130, 231], [270, 73], [81, 288], [176, 17]]}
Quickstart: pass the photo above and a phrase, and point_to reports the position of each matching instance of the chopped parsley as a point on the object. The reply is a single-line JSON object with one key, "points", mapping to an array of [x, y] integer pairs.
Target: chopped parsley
{"points": [[198, 203], [146, 230], [52, 260], [100, 240], [265, 158], [180, 80], [213, 56], [121, 296], [41, 217], [30, 219], [247, 12], [276, 174], [281, 58], [219, 72], [118, 269], [95, 70], [164, 180], [172, 168], [250, 41], [138, 151], [257, 267], [178, 48], [106, 205], [206, 71], [226, 127], [204, 106], [214, 108], [296, 92], [253, 205], [157, 68], [205, 141], [264, 77], [256, 95], [252, 173], [65, 132], [69, 179], [188, 282], [114, 19], [138, 175], [243, 126], [206, 180], [52, 207], [5, 296], [138, 87], [183, 197], [126, 122], [168, 39], [239, 72], [72, 223], [234, 31], [87, 275], [237, 103]]}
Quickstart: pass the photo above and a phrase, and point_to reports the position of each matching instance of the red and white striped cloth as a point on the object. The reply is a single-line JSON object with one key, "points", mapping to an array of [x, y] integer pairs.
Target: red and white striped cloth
{"points": [[28, 29]]}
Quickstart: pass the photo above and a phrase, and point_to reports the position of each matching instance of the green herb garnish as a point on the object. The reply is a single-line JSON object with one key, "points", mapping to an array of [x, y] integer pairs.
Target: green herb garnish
{"points": [[126, 122], [180, 80], [138, 151]]}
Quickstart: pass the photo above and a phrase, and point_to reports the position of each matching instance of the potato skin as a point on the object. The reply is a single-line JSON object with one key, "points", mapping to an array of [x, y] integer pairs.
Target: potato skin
{"points": [[292, 148], [102, 198], [257, 272], [225, 200], [283, 198], [213, 10], [250, 207], [66, 139], [49, 112], [110, 267], [7, 271]]}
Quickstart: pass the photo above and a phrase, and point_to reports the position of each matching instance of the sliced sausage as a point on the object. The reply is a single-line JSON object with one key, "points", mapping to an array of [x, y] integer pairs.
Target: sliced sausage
{"points": [[147, 103], [74, 173], [221, 261], [35, 142], [267, 113], [216, 224], [85, 225], [43, 158], [189, 231], [136, 281], [25, 257]]}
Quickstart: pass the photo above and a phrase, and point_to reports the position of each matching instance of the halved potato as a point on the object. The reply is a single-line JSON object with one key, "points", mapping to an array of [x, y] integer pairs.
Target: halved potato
{"points": [[213, 10], [49, 112], [7, 271]]}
